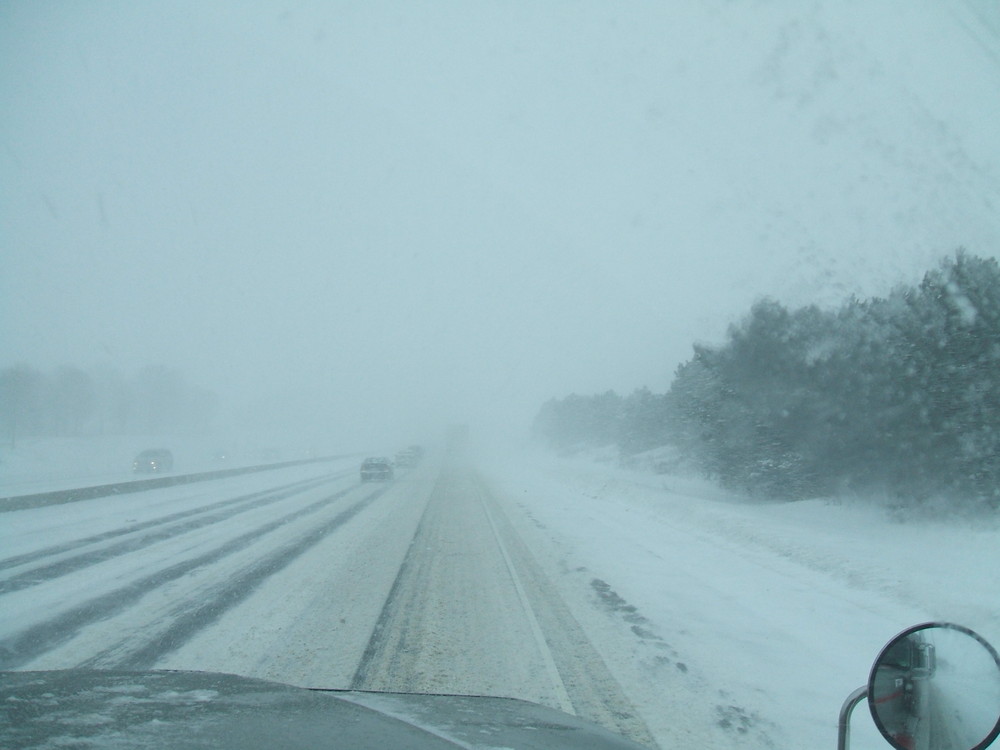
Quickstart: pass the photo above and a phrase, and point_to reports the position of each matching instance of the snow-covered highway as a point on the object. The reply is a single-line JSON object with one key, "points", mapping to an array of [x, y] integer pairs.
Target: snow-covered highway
{"points": [[657, 605], [307, 576]]}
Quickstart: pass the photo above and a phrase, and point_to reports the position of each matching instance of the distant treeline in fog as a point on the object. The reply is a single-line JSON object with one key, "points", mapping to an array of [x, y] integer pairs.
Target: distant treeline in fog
{"points": [[69, 401], [897, 395]]}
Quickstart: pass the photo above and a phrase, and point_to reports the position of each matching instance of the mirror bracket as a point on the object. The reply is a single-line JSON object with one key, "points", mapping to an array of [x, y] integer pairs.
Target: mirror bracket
{"points": [[844, 727]]}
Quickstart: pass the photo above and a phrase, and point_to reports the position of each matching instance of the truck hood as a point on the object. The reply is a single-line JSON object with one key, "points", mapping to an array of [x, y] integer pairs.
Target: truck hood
{"points": [[174, 709]]}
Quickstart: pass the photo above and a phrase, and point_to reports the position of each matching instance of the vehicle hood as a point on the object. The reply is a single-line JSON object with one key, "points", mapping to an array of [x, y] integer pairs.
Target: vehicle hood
{"points": [[158, 709]]}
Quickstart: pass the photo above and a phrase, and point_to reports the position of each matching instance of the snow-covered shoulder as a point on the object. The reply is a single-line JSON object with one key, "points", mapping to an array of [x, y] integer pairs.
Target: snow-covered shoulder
{"points": [[759, 616]]}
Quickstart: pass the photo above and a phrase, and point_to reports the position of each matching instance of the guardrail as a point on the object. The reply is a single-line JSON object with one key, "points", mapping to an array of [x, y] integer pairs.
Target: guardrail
{"points": [[57, 497]]}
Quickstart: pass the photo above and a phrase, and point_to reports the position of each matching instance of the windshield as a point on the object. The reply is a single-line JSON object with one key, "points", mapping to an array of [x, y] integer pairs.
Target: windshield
{"points": [[679, 322]]}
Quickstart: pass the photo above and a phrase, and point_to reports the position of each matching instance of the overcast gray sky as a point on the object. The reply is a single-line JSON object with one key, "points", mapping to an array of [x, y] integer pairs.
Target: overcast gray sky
{"points": [[408, 214]]}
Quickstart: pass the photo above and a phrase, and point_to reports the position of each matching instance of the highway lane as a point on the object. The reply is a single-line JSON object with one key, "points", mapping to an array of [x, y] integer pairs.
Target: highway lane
{"points": [[420, 584], [470, 611], [78, 553], [61, 599]]}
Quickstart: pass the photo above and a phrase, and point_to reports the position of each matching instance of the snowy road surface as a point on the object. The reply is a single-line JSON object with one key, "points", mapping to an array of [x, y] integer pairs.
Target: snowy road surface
{"points": [[655, 604], [305, 576]]}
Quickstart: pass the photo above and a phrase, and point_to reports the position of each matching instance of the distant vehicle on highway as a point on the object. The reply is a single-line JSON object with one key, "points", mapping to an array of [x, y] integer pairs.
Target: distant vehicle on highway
{"points": [[409, 456], [153, 461], [376, 469]]}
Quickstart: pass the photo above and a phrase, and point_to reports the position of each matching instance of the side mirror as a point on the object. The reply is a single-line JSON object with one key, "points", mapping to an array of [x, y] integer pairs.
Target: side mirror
{"points": [[933, 686]]}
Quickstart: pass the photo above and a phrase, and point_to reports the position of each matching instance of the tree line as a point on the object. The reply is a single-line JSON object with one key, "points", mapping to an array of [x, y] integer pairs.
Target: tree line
{"points": [[70, 401], [897, 395]]}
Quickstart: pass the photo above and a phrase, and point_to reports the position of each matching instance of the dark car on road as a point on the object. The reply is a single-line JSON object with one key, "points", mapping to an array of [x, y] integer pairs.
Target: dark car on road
{"points": [[376, 469], [153, 461]]}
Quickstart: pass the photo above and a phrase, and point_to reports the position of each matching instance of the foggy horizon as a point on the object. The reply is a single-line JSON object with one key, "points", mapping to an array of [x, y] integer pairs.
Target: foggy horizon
{"points": [[391, 218]]}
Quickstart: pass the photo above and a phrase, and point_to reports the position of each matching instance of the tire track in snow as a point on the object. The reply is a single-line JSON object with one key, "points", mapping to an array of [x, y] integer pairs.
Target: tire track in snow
{"points": [[157, 530], [469, 597], [376, 648], [590, 685], [187, 621], [21, 648]]}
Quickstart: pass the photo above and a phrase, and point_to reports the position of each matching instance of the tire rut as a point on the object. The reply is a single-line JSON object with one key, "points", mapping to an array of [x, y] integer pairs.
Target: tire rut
{"points": [[187, 620], [157, 530], [392, 660], [378, 649], [592, 688], [21, 648]]}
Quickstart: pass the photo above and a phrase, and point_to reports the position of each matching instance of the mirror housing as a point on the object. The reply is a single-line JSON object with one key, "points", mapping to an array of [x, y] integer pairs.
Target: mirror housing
{"points": [[934, 686]]}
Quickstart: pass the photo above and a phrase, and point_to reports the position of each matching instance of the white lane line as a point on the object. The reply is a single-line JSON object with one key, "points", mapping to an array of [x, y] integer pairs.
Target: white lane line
{"points": [[562, 695]]}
